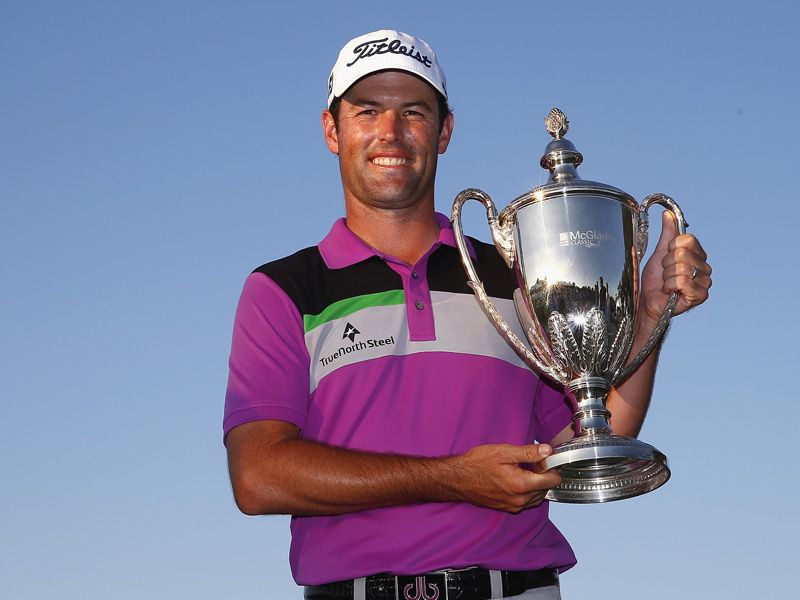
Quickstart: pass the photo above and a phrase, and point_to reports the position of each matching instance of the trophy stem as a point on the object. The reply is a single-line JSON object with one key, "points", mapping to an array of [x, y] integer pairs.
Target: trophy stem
{"points": [[596, 465], [591, 417]]}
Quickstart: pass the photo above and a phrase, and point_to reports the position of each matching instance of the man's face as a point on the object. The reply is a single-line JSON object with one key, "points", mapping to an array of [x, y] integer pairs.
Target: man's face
{"points": [[388, 140]]}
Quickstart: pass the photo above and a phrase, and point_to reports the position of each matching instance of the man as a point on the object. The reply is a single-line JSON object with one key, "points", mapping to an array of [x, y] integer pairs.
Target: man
{"points": [[369, 396]]}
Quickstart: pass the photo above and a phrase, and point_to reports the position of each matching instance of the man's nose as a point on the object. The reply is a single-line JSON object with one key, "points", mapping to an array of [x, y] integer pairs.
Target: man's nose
{"points": [[389, 126]]}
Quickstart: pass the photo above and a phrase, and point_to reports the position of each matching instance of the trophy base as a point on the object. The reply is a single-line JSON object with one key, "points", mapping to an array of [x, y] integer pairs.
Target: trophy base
{"points": [[604, 467]]}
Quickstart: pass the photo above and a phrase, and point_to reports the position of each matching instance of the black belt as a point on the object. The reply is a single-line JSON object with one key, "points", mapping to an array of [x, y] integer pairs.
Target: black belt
{"points": [[463, 584]]}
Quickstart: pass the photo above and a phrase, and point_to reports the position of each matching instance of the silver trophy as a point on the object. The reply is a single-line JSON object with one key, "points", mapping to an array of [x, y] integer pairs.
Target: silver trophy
{"points": [[575, 248]]}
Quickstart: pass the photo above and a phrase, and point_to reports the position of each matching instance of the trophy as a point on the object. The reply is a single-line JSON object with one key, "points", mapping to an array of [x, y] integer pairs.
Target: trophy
{"points": [[575, 246]]}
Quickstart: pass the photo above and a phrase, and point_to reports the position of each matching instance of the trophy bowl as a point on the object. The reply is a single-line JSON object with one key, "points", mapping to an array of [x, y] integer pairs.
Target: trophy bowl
{"points": [[575, 247]]}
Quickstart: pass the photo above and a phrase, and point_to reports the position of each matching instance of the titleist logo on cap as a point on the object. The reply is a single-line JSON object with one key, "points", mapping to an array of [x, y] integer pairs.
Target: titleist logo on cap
{"points": [[373, 47], [384, 50]]}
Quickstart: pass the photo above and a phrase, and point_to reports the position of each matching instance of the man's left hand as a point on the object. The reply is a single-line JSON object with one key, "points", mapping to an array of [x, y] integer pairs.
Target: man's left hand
{"points": [[678, 265]]}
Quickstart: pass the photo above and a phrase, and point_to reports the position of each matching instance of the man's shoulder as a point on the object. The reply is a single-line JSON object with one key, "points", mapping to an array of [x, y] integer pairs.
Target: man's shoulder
{"points": [[297, 274], [294, 265], [313, 285]]}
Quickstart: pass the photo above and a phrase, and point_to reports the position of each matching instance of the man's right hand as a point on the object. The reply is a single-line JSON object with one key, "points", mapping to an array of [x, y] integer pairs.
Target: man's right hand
{"points": [[505, 477]]}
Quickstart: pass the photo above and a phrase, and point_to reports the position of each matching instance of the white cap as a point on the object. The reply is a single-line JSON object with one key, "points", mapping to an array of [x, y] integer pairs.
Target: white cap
{"points": [[382, 50]]}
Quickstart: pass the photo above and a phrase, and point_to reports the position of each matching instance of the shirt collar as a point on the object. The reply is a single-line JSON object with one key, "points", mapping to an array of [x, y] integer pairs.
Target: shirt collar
{"points": [[342, 248]]}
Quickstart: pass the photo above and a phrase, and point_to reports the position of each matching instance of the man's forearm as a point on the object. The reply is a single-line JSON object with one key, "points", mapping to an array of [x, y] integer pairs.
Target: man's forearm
{"points": [[628, 402], [299, 477], [275, 472]]}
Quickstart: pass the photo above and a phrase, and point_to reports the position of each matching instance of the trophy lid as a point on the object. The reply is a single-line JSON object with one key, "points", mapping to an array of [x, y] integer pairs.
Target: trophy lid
{"points": [[561, 157]]}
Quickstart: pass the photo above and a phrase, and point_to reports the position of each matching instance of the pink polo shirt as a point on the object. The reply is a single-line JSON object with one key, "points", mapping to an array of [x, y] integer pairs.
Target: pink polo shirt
{"points": [[362, 351]]}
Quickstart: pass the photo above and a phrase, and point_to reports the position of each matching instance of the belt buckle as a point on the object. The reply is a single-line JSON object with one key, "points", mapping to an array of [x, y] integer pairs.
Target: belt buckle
{"points": [[430, 586]]}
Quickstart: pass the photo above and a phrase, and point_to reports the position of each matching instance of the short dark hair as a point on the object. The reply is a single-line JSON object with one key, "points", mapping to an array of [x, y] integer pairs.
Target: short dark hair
{"points": [[441, 102]]}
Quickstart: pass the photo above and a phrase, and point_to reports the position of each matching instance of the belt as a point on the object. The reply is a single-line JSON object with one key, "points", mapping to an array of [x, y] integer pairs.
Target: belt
{"points": [[463, 584]]}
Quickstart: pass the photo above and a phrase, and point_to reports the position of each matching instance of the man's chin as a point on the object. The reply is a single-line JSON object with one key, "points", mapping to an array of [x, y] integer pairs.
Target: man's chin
{"points": [[394, 197], [393, 203]]}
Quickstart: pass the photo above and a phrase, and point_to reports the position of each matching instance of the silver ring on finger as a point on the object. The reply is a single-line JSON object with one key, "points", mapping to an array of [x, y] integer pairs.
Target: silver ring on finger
{"points": [[695, 271]]}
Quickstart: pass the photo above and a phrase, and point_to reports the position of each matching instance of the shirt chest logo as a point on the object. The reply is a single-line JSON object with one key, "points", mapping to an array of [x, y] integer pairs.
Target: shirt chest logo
{"points": [[351, 345], [350, 333]]}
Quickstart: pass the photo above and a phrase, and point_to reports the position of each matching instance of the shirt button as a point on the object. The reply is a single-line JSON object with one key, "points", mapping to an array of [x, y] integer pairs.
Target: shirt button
{"points": [[414, 275], [419, 304]]}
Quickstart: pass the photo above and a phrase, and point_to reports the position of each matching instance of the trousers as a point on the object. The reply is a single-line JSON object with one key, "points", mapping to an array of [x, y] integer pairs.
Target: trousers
{"points": [[551, 592]]}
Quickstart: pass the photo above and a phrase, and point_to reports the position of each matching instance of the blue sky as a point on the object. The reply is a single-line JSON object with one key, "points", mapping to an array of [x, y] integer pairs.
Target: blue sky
{"points": [[153, 153]]}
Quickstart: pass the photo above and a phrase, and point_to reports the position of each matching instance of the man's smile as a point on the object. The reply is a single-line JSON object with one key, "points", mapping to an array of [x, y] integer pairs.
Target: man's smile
{"points": [[390, 161]]}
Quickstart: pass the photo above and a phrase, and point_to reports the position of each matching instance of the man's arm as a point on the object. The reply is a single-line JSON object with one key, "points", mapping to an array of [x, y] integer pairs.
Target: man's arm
{"points": [[273, 471], [669, 269]]}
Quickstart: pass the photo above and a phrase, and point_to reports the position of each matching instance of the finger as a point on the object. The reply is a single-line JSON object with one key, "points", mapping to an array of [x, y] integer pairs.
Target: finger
{"points": [[536, 499], [543, 481], [687, 241], [530, 454], [691, 292], [689, 272], [686, 279], [684, 250], [685, 261], [692, 289]]}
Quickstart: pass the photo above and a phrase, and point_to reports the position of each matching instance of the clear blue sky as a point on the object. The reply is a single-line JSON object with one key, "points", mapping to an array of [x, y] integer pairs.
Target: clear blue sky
{"points": [[153, 153]]}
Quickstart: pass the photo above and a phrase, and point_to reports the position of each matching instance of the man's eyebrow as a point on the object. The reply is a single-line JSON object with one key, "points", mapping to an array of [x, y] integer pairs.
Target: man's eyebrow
{"points": [[364, 102], [367, 102], [423, 103]]}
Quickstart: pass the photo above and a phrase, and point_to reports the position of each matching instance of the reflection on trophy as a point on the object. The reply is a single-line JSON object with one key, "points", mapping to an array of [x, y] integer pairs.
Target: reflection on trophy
{"points": [[575, 248]]}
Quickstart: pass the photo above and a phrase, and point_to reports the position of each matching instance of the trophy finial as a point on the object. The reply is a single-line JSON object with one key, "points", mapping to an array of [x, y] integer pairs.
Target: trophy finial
{"points": [[556, 123], [561, 157]]}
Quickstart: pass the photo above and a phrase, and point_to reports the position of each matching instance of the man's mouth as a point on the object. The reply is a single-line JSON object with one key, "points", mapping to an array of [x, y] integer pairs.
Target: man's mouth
{"points": [[390, 161]]}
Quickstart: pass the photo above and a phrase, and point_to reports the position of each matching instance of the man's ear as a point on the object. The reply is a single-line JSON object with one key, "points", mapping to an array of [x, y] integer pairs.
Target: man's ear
{"points": [[447, 132], [329, 131]]}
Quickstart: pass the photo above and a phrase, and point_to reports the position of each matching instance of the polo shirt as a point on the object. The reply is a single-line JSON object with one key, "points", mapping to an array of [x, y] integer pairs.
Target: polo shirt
{"points": [[362, 351]]}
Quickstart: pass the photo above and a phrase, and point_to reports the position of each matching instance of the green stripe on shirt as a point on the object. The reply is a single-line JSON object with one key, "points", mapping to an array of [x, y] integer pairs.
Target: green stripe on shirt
{"points": [[348, 306]]}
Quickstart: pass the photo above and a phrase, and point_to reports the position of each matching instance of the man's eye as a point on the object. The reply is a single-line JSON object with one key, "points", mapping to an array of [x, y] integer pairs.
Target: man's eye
{"points": [[368, 112]]}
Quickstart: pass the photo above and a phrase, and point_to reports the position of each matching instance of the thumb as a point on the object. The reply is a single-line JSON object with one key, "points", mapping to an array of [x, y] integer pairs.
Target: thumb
{"points": [[533, 453], [669, 230]]}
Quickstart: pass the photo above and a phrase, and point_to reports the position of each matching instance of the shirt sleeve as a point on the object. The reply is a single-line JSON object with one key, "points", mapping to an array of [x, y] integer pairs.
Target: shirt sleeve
{"points": [[268, 375], [552, 412]]}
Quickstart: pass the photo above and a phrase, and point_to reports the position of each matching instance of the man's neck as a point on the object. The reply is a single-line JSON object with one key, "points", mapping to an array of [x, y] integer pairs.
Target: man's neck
{"points": [[405, 234]]}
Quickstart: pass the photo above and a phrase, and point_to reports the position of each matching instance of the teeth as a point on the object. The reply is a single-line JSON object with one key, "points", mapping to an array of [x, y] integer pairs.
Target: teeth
{"points": [[390, 161]]}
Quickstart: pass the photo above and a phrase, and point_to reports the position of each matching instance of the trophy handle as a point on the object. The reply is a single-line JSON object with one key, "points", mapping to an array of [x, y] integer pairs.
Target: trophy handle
{"points": [[502, 236], [641, 247]]}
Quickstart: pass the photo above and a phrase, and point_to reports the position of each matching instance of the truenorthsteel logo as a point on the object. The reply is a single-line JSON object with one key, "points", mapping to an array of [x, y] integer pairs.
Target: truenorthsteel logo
{"points": [[350, 333], [588, 238]]}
